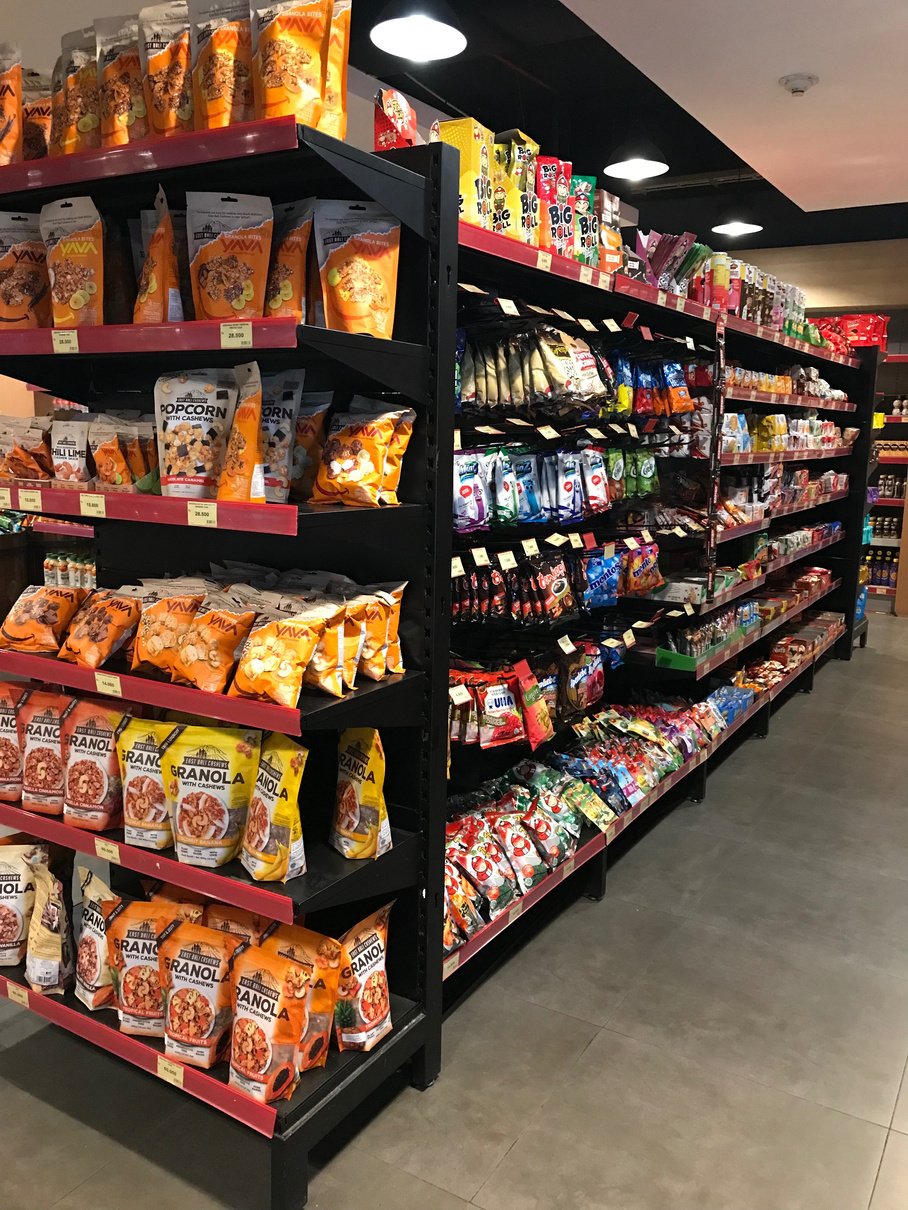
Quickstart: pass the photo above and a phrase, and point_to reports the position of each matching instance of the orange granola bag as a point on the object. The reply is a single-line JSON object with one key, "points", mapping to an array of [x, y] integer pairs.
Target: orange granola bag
{"points": [[81, 128], [229, 252], [74, 238], [195, 965], [24, 284], [290, 65], [37, 115], [286, 292], [321, 956], [57, 109], [188, 905], [275, 657], [248, 926], [309, 442], [243, 475], [106, 442], [42, 751], [123, 112], [334, 111], [166, 59], [11, 698], [270, 1015], [93, 792], [352, 469], [104, 624], [363, 1013], [357, 247], [39, 619], [221, 39], [158, 300], [10, 103], [213, 642], [167, 615], [134, 933]]}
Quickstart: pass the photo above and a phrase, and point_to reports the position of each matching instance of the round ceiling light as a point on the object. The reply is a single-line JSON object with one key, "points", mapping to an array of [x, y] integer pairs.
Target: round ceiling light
{"points": [[637, 161], [737, 227], [419, 30]]}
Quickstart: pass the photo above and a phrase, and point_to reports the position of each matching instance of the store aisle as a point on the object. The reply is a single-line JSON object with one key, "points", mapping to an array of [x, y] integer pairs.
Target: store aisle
{"points": [[728, 1030]]}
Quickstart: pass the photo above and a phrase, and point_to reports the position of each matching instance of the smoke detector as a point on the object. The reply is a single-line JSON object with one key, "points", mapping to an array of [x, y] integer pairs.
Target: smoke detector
{"points": [[798, 83]]}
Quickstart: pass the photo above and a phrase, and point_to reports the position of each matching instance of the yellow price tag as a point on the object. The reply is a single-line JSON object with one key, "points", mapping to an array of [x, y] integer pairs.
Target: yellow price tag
{"points": [[662, 298], [679, 303], [203, 514], [611, 325], [646, 535], [596, 434], [508, 306], [106, 682], [457, 444], [66, 341], [170, 1072], [630, 639], [557, 539], [548, 432], [457, 568], [568, 867], [107, 850], [544, 261], [489, 431], [450, 965], [506, 560], [631, 543], [608, 550], [5, 498], [92, 505], [632, 429], [530, 546], [586, 274], [18, 995], [566, 645], [565, 315], [481, 556], [576, 541], [688, 608], [29, 501], [236, 335]]}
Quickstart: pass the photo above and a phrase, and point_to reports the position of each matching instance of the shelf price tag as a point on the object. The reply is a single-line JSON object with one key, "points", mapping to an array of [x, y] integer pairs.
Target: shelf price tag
{"points": [[587, 325], [544, 261], [674, 613], [631, 543], [596, 434], [608, 550], [616, 428], [507, 560], [646, 535], [107, 850], [586, 274], [170, 1072], [679, 532], [18, 995], [662, 298], [568, 867], [611, 325], [5, 498], [457, 568], [236, 335], [558, 540], [526, 424], [566, 645], [462, 285], [645, 332], [29, 501], [450, 965], [517, 909], [538, 310], [457, 441], [509, 307], [481, 556], [530, 546], [460, 695], [92, 505], [106, 682], [680, 303], [689, 341], [65, 341], [576, 541], [688, 608], [489, 431], [565, 315], [202, 514], [549, 433], [632, 429], [629, 638]]}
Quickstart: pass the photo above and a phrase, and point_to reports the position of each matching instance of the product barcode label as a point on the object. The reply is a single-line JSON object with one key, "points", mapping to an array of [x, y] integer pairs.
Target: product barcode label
{"points": [[18, 995], [544, 261], [507, 560], [106, 682], [236, 335], [457, 568], [508, 306], [171, 1072], [91, 505], [107, 850], [29, 501], [66, 341], [203, 514]]}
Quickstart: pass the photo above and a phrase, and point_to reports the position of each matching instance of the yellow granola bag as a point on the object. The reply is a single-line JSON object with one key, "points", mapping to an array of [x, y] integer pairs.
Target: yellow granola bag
{"points": [[360, 825], [146, 816], [290, 65], [221, 40], [209, 774], [273, 848], [286, 292], [166, 67]]}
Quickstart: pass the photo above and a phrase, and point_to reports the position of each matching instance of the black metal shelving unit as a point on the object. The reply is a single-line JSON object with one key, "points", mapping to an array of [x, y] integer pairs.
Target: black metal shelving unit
{"points": [[409, 543]]}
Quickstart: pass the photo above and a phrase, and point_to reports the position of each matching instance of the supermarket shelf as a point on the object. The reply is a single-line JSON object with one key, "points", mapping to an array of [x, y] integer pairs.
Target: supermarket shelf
{"points": [[69, 529], [329, 881], [876, 591], [741, 531], [893, 459], [758, 457], [804, 552], [895, 359], [884, 542], [745, 395], [643, 291], [134, 339], [774, 623], [787, 510], [889, 502], [890, 419], [400, 696], [745, 328], [515, 252], [730, 594]]}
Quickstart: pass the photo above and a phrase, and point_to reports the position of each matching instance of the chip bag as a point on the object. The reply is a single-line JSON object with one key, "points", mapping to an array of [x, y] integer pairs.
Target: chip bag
{"points": [[105, 624], [93, 795], [166, 67], [286, 291], [229, 252], [195, 964], [281, 397], [10, 103], [221, 41], [167, 615], [360, 826], [273, 848], [94, 986], [362, 1016], [212, 644], [74, 238], [134, 933], [122, 108], [352, 469], [39, 619], [11, 739], [290, 43], [146, 818], [270, 1014], [357, 246], [158, 300], [333, 118], [275, 657], [321, 957], [49, 960], [81, 130], [69, 450], [24, 283], [404, 420], [243, 474], [309, 442]]}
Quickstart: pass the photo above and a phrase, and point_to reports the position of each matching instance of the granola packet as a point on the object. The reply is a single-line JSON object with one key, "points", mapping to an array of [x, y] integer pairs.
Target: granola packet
{"points": [[10, 103], [158, 299], [243, 474], [273, 849], [11, 697], [37, 110], [281, 397], [134, 933], [146, 817], [121, 103], [193, 414], [221, 41], [229, 250], [362, 1016], [49, 958], [322, 957], [94, 986], [42, 751], [360, 826], [290, 45], [270, 1016], [73, 235], [57, 109], [285, 294], [166, 67], [357, 246], [24, 283], [92, 793], [81, 129], [228, 919], [195, 965], [333, 118]]}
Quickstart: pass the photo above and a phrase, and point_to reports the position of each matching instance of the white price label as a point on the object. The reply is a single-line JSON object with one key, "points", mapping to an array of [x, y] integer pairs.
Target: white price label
{"points": [[576, 541], [674, 613], [631, 543], [530, 546], [565, 315], [566, 645], [489, 431], [91, 505], [517, 909], [596, 434], [450, 965], [646, 535], [470, 289], [616, 428], [107, 850], [538, 310], [611, 643], [18, 995], [689, 341], [632, 429], [460, 695], [457, 568], [5, 498], [236, 335], [608, 550], [202, 514], [526, 424], [544, 261], [568, 867], [507, 560], [611, 325], [508, 306], [688, 608], [29, 501], [549, 433], [481, 556], [679, 532], [66, 341], [586, 274], [630, 639], [106, 682], [457, 442], [587, 325], [558, 540], [170, 1072]]}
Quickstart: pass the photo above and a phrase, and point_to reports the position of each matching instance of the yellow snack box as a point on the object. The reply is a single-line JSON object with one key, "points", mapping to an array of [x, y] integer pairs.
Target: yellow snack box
{"points": [[474, 142]]}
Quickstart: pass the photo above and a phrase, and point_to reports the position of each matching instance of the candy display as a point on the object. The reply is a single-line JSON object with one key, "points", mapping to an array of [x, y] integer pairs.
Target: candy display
{"points": [[758, 492], [802, 381]]}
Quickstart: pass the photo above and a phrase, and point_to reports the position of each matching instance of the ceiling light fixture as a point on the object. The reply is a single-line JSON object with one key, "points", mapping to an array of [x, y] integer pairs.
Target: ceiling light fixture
{"points": [[636, 161], [419, 30], [737, 227]]}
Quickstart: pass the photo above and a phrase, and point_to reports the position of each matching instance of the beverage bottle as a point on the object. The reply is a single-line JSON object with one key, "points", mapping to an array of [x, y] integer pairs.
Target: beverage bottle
{"points": [[894, 572], [875, 569]]}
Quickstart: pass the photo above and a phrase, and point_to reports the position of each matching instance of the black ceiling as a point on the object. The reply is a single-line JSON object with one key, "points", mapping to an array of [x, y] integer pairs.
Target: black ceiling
{"points": [[533, 64]]}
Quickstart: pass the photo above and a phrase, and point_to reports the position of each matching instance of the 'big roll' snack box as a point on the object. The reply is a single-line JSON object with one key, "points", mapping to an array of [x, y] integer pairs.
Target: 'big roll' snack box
{"points": [[517, 153], [474, 142]]}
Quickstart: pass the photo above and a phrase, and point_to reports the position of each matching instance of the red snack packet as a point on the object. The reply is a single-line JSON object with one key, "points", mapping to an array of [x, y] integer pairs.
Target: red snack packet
{"points": [[537, 719]]}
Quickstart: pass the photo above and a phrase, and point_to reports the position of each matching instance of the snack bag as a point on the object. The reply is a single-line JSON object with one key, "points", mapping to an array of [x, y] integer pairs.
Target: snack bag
{"points": [[220, 37], [320, 956], [134, 933], [105, 440], [11, 740], [39, 619], [360, 826], [74, 238], [188, 905], [193, 414], [194, 965], [270, 1016], [167, 614], [333, 118], [285, 294], [475, 144], [105, 624], [69, 449], [42, 751], [94, 986], [17, 901], [309, 442], [10, 103], [213, 642], [275, 656], [394, 659], [373, 660], [49, 961], [229, 250], [57, 108], [357, 246], [36, 115], [243, 474], [273, 840], [93, 795], [246, 925], [24, 283], [81, 130], [404, 419], [158, 300], [325, 669], [146, 819], [281, 397], [122, 108], [290, 44], [209, 774], [352, 469], [362, 1016], [166, 73]]}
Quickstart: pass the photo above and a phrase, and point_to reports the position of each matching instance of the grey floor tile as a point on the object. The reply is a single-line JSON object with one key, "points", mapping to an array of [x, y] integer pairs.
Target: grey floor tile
{"points": [[584, 961], [636, 1127], [499, 1056], [900, 1116], [128, 1179], [831, 1033], [355, 1179], [891, 1190]]}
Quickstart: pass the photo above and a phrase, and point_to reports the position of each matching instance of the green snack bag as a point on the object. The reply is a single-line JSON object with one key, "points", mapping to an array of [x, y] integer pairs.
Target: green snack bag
{"points": [[616, 485], [647, 473], [631, 475], [586, 220]]}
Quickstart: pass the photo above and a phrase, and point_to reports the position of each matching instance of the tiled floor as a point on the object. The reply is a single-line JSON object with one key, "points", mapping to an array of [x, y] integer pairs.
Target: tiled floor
{"points": [[727, 1030]]}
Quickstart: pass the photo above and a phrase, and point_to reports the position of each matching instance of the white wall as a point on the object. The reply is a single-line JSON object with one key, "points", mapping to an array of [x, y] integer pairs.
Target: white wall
{"points": [[859, 276]]}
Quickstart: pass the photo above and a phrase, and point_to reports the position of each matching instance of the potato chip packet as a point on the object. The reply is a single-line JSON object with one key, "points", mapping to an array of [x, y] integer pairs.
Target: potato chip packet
{"points": [[195, 964], [309, 442], [273, 849], [360, 826], [213, 642], [105, 624], [94, 986], [167, 615], [275, 657], [40, 618]]}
